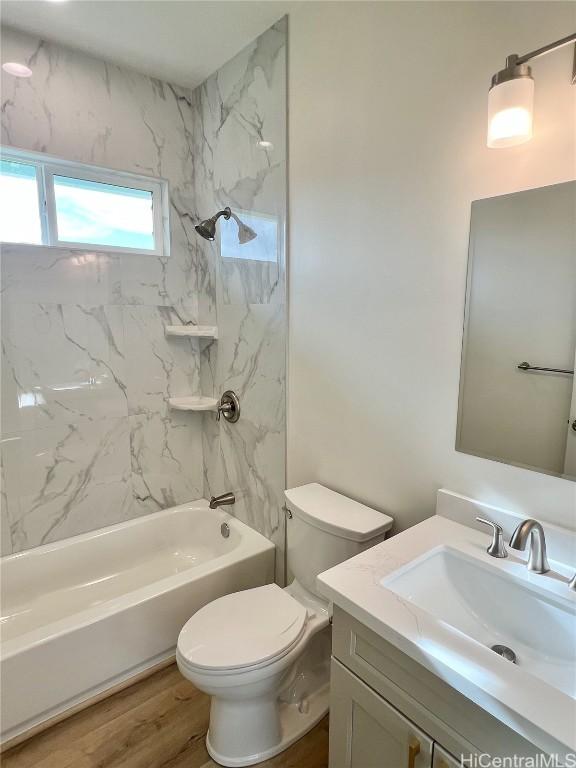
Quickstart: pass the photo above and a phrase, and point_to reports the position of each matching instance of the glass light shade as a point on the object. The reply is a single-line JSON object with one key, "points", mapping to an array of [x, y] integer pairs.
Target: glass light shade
{"points": [[510, 108]]}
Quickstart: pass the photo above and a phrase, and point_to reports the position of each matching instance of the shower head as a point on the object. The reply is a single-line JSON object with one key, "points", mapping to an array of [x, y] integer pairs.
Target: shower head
{"points": [[207, 228]]}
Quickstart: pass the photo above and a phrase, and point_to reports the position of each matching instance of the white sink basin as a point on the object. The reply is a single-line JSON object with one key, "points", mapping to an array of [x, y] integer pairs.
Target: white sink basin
{"points": [[492, 607], [435, 594]]}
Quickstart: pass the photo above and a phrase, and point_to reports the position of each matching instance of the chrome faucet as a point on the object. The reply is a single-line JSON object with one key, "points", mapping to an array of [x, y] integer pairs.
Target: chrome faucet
{"points": [[537, 560], [572, 583], [223, 500]]}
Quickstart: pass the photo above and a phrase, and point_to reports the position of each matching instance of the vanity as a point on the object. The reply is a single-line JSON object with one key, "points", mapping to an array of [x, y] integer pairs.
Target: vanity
{"points": [[415, 680]]}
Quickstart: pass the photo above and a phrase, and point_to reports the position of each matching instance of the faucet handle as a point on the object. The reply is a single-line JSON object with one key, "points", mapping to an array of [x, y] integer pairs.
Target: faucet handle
{"points": [[229, 407], [497, 547], [223, 408]]}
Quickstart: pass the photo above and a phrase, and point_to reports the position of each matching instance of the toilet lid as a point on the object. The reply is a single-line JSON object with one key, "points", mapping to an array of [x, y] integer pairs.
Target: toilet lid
{"points": [[242, 629]]}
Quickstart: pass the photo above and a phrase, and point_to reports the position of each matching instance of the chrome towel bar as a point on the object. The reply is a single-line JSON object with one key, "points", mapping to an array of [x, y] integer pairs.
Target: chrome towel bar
{"points": [[527, 367]]}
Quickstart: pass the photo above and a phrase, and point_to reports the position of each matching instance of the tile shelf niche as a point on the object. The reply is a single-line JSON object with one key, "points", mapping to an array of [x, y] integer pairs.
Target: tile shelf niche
{"points": [[193, 403], [193, 331]]}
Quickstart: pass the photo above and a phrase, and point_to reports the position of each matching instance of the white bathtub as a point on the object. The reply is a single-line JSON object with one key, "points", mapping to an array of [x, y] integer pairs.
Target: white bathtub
{"points": [[86, 614]]}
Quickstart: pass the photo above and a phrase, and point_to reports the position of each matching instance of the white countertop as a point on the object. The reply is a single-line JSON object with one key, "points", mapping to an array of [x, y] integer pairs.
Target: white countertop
{"points": [[542, 714]]}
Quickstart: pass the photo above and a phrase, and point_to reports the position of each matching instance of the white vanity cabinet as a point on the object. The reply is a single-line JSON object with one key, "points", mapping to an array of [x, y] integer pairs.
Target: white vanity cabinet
{"points": [[387, 711], [369, 732]]}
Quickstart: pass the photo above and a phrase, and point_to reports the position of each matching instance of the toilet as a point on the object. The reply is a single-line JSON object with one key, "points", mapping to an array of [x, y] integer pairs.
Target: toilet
{"points": [[263, 654]]}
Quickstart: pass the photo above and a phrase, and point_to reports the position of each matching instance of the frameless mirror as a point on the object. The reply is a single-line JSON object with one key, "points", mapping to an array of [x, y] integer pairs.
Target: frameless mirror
{"points": [[517, 393]]}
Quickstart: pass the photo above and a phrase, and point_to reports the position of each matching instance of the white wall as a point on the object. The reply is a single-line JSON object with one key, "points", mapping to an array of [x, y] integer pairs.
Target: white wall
{"points": [[387, 150]]}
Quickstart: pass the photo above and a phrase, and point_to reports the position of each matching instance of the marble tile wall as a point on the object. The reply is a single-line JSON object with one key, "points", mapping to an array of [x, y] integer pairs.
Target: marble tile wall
{"points": [[87, 437], [244, 287]]}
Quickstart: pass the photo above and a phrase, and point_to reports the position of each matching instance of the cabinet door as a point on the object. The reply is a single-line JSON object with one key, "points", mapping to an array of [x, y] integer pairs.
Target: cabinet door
{"points": [[367, 732], [443, 759]]}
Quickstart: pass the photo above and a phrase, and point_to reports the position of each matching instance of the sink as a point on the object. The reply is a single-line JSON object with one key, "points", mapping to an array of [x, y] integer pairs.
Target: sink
{"points": [[435, 595], [492, 607]]}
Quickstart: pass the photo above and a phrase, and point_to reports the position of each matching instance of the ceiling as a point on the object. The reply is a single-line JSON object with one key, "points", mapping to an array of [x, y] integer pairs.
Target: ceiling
{"points": [[181, 41]]}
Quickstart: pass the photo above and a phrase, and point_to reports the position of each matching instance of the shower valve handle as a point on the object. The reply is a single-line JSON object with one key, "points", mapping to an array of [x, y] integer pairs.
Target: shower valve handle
{"points": [[229, 407], [223, 408]]}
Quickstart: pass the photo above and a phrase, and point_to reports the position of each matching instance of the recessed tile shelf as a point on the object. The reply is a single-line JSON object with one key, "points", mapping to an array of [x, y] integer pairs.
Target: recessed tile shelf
{"points": [[193, 403], [193, 331]]}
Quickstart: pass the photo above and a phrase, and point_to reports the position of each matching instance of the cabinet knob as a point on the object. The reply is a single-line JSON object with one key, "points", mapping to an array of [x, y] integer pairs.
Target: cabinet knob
{"points": [[413, 752]]}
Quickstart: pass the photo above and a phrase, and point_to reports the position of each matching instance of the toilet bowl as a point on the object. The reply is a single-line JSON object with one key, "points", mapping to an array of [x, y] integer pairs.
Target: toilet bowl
{"points": [[270, 630], [263, 654]]}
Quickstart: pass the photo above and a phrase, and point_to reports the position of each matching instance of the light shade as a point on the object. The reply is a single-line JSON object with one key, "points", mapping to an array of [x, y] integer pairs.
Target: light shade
{"points": [[510, 109]]}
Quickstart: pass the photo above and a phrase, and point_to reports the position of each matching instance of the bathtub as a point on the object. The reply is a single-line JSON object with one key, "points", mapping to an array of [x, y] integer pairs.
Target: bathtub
{"points": [[84, 615]]}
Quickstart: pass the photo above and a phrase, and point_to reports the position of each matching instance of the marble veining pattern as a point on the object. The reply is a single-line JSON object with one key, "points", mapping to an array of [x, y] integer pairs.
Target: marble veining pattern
{"points": [[166, 454], [61, 363], [87, 437], [67, 477], [241, 105]]}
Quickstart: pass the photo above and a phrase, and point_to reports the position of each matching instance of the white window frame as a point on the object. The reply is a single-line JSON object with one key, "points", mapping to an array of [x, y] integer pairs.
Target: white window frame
{"points": [[48, 166]]}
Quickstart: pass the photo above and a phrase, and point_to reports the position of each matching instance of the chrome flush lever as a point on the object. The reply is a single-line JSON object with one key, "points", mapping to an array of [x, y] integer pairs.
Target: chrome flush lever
{"points": [[497, 548]]}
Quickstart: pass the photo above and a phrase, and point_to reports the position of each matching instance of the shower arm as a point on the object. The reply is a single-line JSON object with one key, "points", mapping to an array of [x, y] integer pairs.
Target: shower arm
{"points": [[226, 212]]}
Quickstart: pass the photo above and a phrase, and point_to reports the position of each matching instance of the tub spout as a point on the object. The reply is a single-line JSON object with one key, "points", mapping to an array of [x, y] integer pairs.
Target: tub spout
{"points": [[222, 501]]}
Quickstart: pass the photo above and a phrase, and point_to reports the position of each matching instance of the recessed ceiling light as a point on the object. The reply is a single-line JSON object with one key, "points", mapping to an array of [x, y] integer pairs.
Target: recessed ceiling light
{"points": [[17, 69], [266, 144]]}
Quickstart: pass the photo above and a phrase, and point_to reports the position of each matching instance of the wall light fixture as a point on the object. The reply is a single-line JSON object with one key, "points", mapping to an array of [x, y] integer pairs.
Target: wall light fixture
{"points": [[511, 97]]}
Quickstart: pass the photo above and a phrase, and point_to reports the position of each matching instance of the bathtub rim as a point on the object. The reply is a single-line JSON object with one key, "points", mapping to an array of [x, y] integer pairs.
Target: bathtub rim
{"points": [[53, 546], [251, 543]]}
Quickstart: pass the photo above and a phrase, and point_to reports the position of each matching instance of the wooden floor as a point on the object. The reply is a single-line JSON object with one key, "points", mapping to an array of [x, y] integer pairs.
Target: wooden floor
{"points": [[159, 722]]}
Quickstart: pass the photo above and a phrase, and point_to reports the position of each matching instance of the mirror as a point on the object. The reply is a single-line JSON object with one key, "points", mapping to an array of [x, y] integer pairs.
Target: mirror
{"points": [[517, 394]]}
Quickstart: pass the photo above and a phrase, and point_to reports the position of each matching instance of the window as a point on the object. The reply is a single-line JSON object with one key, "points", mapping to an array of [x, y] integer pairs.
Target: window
{"points": [[19, 203], [45, 201]]}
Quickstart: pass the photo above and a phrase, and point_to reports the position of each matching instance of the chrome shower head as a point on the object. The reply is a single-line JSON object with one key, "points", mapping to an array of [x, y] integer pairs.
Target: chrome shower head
{"points": [[207, 228]]}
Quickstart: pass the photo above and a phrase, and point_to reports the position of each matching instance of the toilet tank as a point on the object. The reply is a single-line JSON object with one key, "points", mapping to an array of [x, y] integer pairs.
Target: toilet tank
{"points": [[325, 528]]}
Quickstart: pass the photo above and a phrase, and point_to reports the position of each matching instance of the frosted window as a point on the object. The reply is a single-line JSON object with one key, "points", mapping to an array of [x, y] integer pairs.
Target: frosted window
{"points": [[103, 214], [20, 218]]}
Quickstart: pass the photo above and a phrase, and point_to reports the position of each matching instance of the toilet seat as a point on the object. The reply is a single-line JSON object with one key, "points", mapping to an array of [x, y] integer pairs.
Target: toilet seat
{"points": [[242, 630]]}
